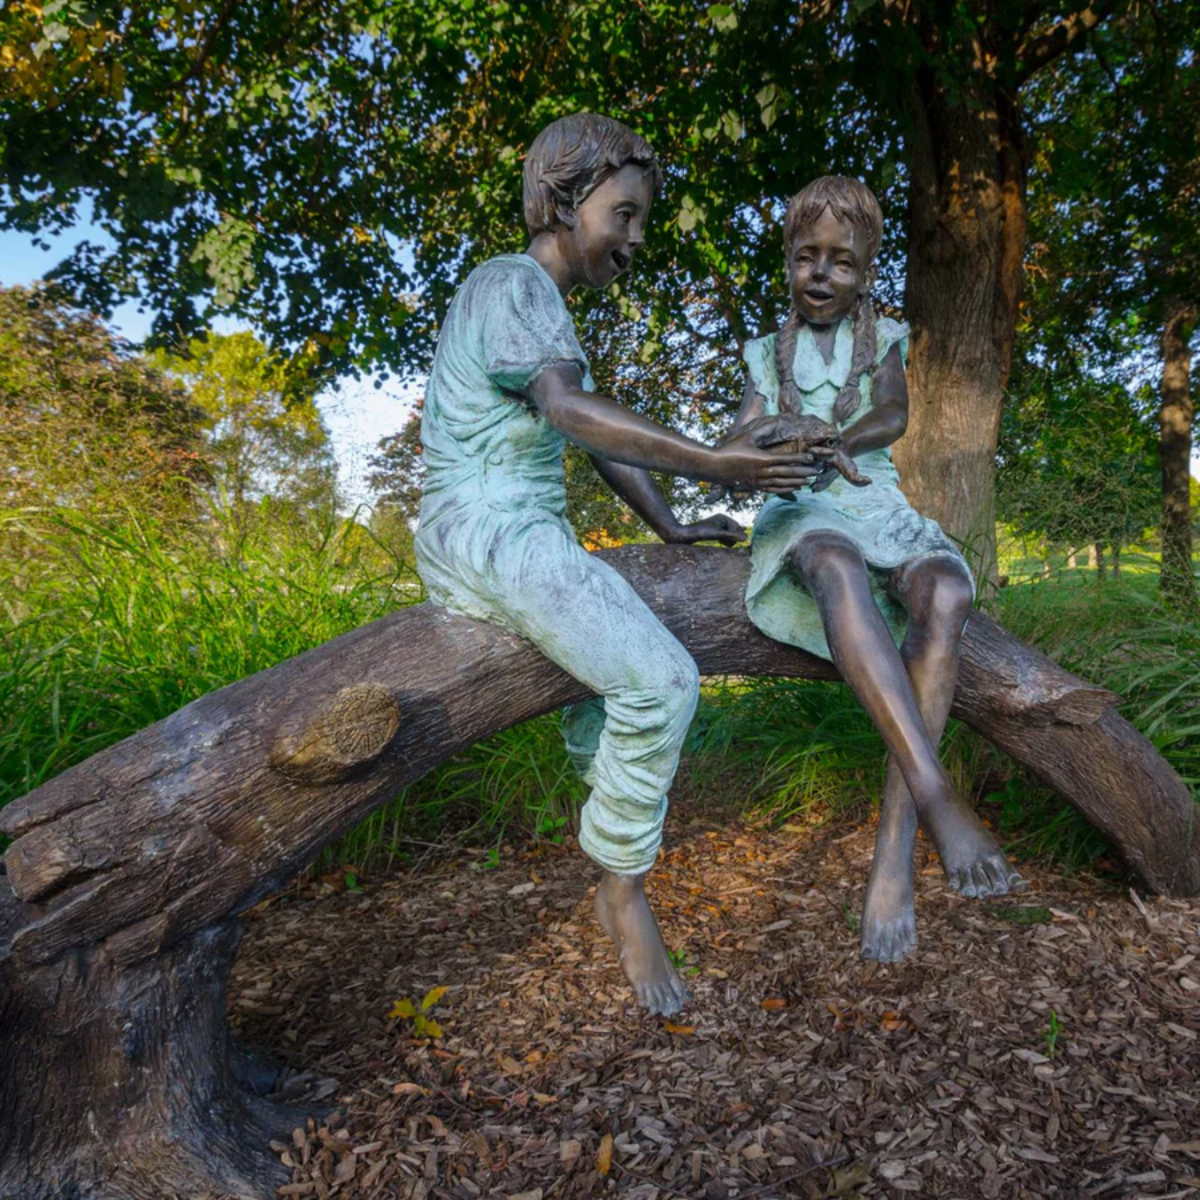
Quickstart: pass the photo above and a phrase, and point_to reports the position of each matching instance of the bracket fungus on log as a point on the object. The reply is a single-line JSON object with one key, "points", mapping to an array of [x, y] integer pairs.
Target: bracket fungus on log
{"points": [[118, 911]]}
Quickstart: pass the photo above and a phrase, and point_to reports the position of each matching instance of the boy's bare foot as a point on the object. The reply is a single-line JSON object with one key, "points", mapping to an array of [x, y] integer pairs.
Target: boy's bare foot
{"points": [[624, 912], [889, 923], [974, 864]]}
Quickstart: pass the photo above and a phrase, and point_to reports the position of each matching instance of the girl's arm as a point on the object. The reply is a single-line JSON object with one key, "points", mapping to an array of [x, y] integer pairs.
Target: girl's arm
{"points": [[753, 407], [603, 427], [888, 418], [639, 491]]}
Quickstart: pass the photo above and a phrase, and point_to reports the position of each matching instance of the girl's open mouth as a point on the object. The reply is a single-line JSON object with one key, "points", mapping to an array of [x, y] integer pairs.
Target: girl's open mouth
{"points": [[622, 260]]}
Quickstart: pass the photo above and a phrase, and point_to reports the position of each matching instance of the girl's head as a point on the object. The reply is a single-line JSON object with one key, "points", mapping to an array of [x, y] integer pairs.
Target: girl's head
{"points": [[831, 236], [589, 180]]}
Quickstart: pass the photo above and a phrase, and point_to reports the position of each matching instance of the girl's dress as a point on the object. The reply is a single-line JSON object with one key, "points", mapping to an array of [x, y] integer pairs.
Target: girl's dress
{"points": [[494, 543], [887, 530]]}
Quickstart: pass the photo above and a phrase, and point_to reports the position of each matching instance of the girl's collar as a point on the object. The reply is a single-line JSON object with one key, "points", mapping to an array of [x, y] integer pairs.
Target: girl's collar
{"points": [[809, 368]]}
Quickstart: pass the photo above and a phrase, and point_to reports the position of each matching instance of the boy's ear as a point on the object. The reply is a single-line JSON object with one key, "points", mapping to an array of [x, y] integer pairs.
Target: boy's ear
{"points": [[564, 216]]}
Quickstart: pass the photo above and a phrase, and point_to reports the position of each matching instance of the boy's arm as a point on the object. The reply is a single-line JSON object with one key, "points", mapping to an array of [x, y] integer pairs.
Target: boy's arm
{"points": [[601, 426], [635, 486]]}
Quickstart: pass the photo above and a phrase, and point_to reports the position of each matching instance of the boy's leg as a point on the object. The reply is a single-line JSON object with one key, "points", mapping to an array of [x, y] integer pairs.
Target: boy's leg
{"points": [[582, 725], [584, 616]]}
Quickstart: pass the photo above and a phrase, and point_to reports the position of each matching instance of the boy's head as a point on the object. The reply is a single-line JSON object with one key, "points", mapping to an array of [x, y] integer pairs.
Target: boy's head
{"points": [[570, 158]]}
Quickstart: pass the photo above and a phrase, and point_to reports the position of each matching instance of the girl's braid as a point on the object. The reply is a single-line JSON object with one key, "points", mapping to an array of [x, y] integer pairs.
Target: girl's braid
{"points": [[862, 360], [785, 353]]}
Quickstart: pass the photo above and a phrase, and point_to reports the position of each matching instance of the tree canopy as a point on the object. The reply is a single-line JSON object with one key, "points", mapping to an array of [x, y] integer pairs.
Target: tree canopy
{"points": [[330, 173]]}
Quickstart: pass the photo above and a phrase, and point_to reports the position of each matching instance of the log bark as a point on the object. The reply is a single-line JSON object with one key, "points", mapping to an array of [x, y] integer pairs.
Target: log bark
{"points": [[118, 909], [122, 1081]]}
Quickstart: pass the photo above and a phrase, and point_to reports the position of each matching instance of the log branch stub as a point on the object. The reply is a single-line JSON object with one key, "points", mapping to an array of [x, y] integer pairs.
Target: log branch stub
{"points": [[350, 732]]}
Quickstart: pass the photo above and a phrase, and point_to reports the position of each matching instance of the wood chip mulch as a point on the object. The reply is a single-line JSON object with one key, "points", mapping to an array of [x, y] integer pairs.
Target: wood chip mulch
{"points": [[1042, 1045]]}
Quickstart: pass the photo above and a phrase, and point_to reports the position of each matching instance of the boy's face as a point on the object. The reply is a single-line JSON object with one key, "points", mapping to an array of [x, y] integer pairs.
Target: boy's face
{"points": [[610, 226], [828, 269]]}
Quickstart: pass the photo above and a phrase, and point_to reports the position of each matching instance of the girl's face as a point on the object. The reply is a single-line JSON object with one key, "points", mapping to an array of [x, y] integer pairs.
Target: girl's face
{"points": [[828, 269], [610, 227]]}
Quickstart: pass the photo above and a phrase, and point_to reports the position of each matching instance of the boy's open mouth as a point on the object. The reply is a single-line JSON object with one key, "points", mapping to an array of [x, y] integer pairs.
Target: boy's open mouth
{"points": [[818, 294], [622, 259]]}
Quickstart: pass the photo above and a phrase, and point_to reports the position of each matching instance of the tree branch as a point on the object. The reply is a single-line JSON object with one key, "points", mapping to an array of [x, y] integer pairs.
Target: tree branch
{"points": [[1067, 35]]}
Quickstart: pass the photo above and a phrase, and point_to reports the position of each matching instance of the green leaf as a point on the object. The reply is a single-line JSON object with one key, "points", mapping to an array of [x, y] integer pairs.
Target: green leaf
{"points": [[771, 99], [690, 215], [432, 997], [723, 17], [403, 1008]]}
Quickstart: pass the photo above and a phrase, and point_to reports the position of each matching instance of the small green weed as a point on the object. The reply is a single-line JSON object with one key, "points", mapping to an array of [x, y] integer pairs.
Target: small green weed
{"points": [[679, 961], [423, 1026], [1053, 1032]]}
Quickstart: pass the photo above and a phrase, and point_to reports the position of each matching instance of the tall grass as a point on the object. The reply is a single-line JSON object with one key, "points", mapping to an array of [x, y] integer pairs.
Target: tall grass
{"points": [[1114, 633], [109, 625]]}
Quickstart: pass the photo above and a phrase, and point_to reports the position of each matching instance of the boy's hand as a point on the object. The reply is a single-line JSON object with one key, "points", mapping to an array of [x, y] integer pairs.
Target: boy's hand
{"points": [[719, 528], [742, 463]]}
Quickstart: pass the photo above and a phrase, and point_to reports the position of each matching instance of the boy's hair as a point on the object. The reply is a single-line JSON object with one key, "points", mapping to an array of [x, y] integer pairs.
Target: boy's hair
{"points": [[852, 201], [570, 158]]}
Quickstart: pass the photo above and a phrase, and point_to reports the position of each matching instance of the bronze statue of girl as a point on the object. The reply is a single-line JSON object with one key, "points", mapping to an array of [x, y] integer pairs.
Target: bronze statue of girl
{"points": [[854, 573]]}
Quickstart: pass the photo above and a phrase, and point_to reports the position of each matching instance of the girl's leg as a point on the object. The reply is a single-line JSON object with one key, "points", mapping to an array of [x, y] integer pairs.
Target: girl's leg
{"points": [[861, 644], [937, 593]]}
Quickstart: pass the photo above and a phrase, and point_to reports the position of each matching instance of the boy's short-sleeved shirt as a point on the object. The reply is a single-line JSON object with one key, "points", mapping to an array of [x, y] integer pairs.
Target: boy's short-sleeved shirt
{"points": [[484, 444]]}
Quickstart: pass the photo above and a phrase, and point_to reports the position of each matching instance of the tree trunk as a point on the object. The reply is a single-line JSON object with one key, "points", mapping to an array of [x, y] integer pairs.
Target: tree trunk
{"points": [[1098, 558], [1072, 560], [118, 909], [966, 245], [120, 1080], [1116, 561], [1176, 582]]}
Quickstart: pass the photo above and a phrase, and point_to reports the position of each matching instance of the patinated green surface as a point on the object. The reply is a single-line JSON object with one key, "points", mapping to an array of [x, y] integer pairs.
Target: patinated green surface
{"points": [[877, 519], [494, 543]]}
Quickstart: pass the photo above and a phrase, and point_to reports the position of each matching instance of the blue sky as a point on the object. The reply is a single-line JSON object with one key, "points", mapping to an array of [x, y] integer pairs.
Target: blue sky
{"points": [[357, 414]]}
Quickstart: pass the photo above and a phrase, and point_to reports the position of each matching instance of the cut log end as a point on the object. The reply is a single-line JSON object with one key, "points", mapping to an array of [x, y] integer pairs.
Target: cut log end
{"points": [[353, 730]]}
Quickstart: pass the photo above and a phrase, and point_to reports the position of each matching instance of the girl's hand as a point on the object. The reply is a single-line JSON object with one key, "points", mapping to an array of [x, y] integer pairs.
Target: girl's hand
{"points": [[800, 433], [720, 528], [741, 463]]}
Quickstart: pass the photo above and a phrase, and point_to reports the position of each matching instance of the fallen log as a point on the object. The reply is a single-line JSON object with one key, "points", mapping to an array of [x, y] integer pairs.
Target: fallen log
{"points": [[118, 910]]}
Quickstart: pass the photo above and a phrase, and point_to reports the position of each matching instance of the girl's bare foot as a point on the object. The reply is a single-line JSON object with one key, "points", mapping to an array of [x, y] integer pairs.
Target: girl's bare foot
{"points": [[623, 910], [889, 922], [974, 864]]}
